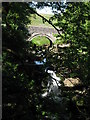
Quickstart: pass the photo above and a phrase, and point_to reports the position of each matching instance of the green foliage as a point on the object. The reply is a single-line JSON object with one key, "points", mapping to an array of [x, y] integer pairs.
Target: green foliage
{"points": [[14, 19], [14, 15], [74, 22], [19, 88]]}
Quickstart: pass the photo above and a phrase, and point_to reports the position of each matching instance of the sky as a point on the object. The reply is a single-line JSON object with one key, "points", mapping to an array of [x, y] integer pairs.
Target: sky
{"points": [[45, 10]]}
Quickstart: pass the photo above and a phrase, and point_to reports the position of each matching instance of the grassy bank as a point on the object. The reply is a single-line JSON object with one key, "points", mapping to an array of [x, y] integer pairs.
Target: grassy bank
{"points": [[37, 21], [40, 40]]}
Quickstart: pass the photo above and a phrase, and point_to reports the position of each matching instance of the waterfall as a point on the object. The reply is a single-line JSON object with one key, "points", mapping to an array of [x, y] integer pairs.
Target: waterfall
{"points": [[53, 85]]}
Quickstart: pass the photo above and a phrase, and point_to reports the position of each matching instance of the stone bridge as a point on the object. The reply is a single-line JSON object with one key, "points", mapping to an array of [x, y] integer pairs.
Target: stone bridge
{"points": [[42, 31]]}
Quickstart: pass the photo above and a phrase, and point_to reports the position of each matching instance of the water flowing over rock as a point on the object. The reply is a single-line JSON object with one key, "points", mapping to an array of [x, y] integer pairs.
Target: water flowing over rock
{"points": [[53, 85]]}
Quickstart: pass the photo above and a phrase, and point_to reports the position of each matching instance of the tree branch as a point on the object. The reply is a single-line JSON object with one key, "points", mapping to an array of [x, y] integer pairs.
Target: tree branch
{"points": [[46, 20]]}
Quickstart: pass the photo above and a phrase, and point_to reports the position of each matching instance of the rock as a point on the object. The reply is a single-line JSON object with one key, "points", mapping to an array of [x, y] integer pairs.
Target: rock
{"points": [[71, 82]]}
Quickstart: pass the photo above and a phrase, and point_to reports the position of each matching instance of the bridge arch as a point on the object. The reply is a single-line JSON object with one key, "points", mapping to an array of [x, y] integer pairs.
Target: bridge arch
{"points": [[49, 36]]}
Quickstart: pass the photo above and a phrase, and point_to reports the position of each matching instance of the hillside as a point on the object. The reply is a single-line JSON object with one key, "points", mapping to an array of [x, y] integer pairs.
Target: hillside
{"points": [[37, 21]]}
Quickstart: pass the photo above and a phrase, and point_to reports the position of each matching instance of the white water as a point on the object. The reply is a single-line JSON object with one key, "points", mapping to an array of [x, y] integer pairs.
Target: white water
{"points": [[53, 86]]}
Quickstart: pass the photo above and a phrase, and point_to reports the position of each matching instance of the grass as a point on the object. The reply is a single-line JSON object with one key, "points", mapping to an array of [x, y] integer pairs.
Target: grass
{"points": [[37, 21], [41, 40]]}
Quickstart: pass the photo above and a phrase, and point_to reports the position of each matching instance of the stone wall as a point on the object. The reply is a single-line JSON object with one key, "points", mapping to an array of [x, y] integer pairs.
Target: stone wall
{"points": [[39, 29]]}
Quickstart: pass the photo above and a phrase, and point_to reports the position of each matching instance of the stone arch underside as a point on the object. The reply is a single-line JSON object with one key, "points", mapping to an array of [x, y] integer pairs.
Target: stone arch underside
{"points": [[42, 31], [49, 36]]}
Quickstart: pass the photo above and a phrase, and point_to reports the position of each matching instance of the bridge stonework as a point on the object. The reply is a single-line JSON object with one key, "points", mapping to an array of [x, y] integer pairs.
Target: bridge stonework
{"points": [[42, 31]]}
